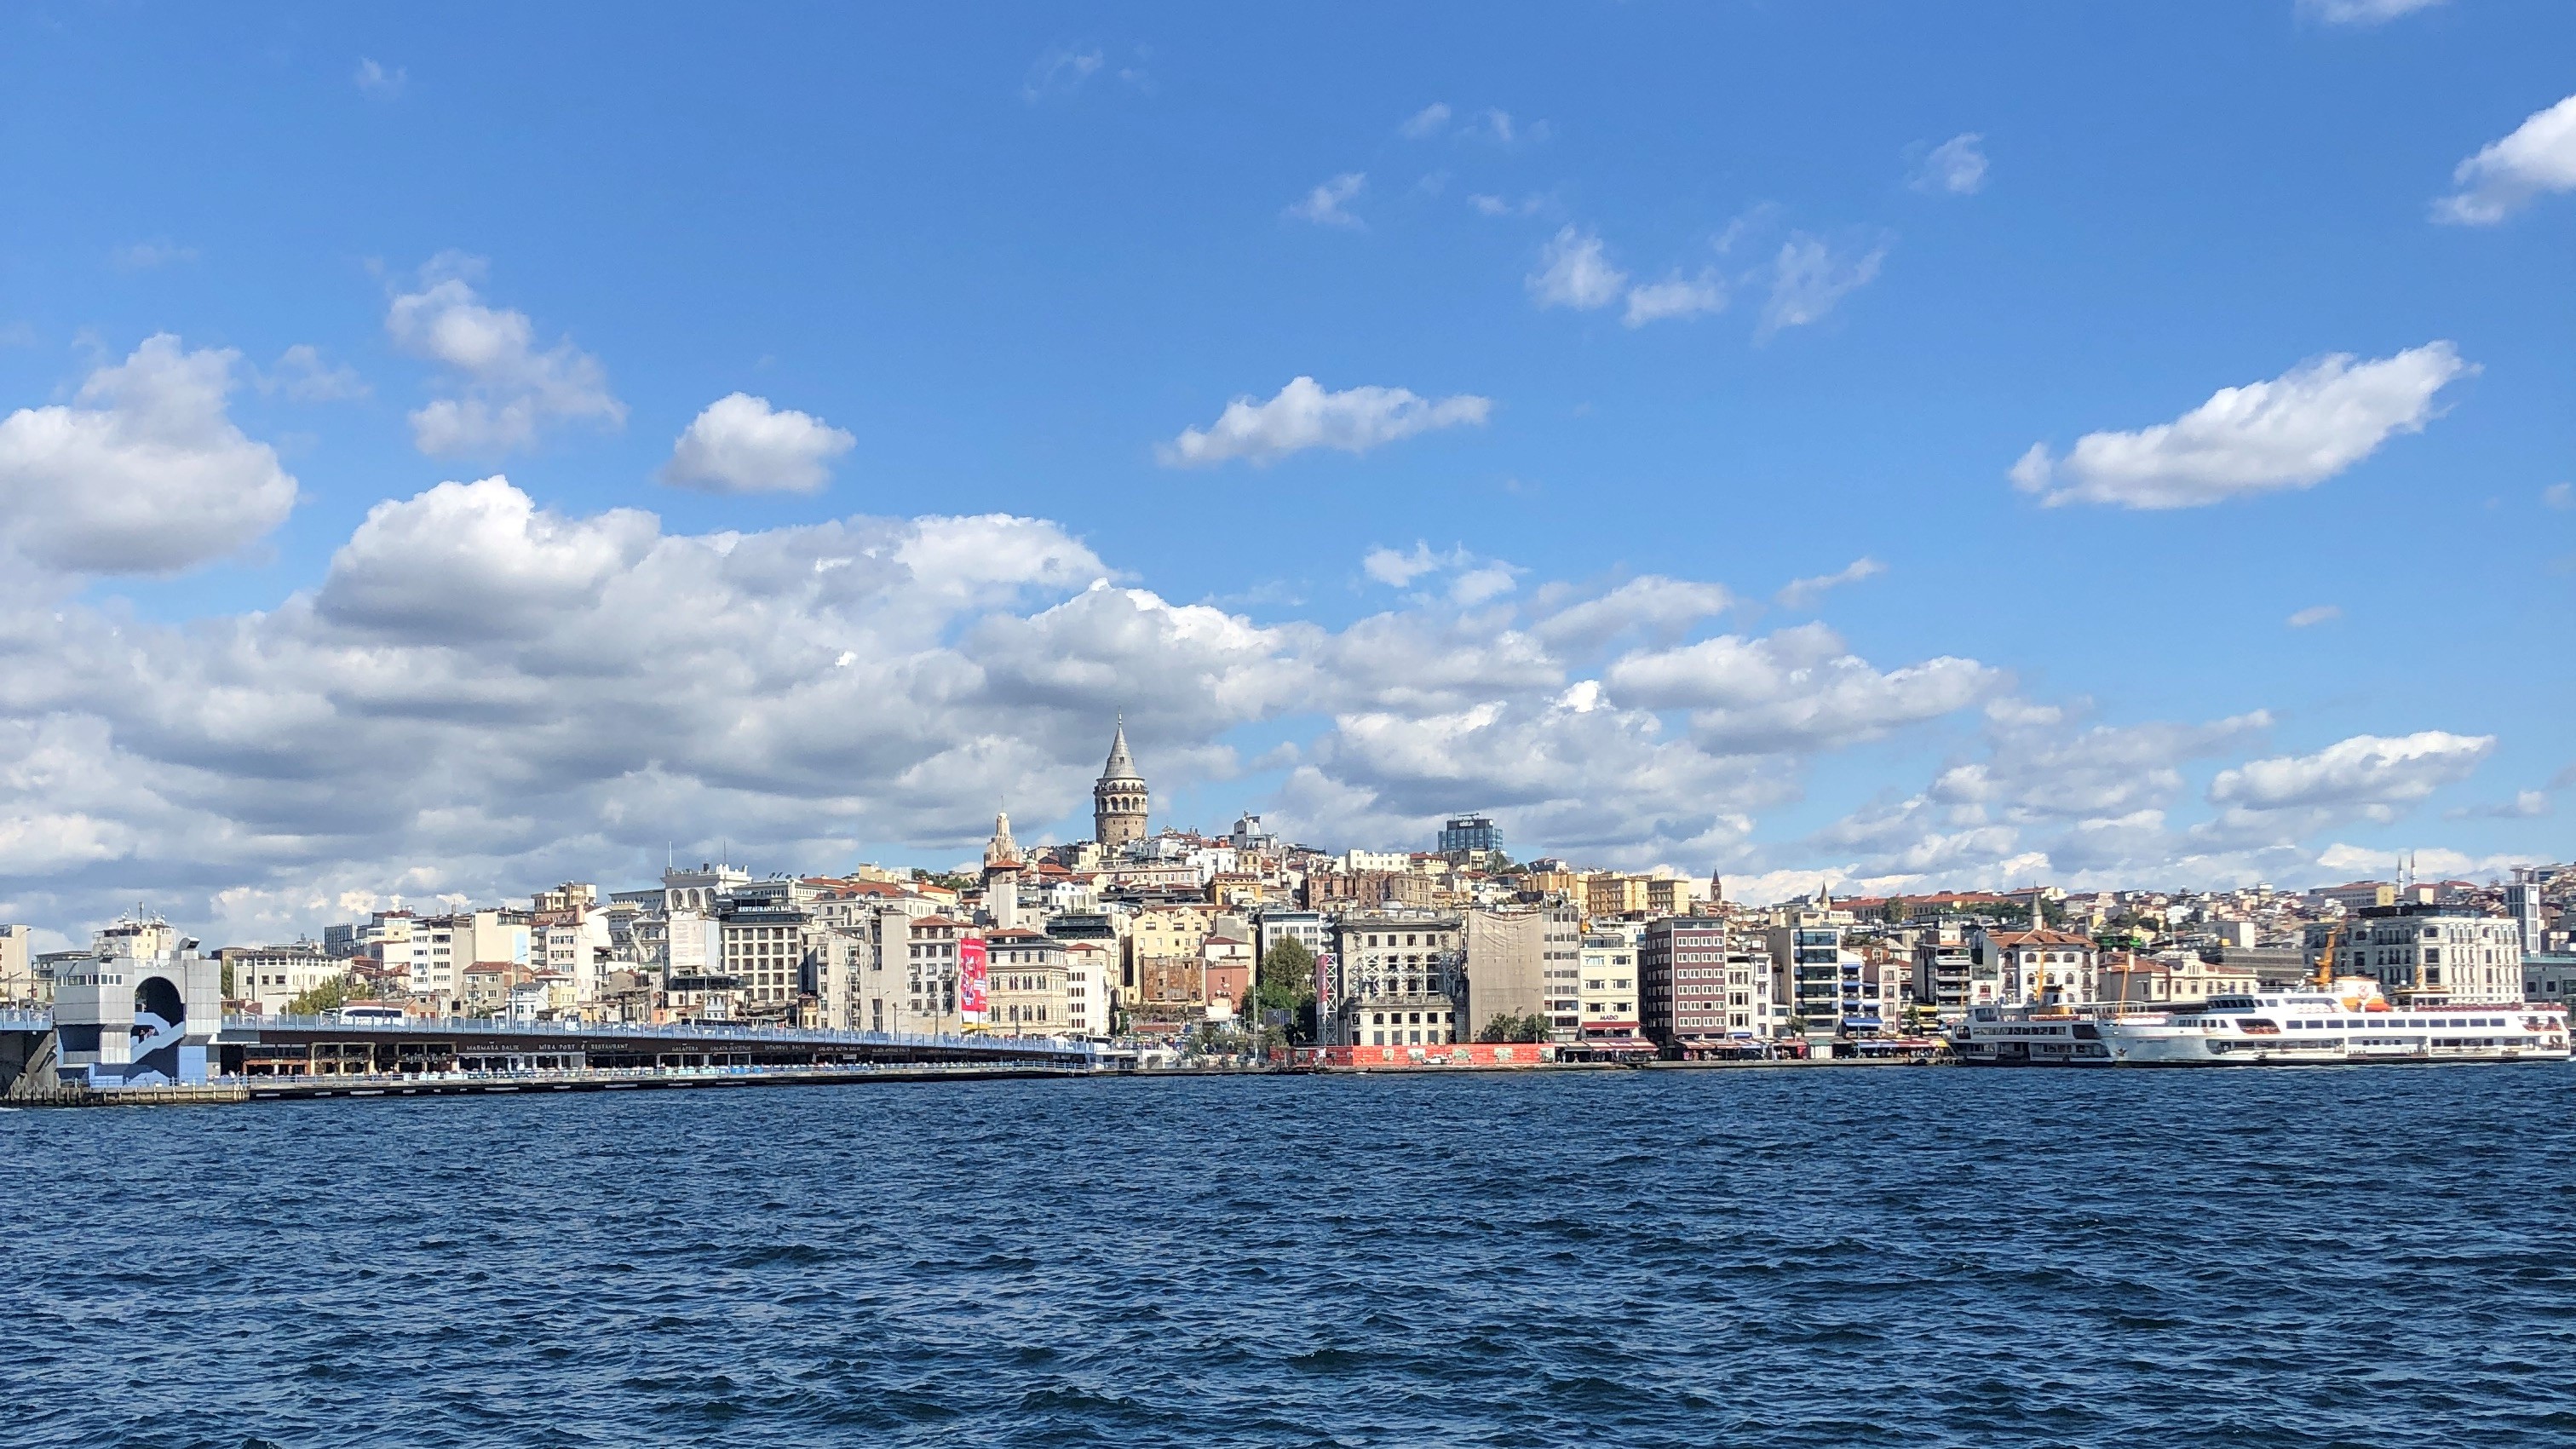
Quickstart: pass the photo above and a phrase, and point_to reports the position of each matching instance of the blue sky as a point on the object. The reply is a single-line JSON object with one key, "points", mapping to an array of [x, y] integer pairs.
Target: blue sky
{"points": [[999, 262]]}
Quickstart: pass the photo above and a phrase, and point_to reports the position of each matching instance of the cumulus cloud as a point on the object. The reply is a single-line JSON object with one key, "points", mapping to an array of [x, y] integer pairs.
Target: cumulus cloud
{"points": [[476, 561], [2366, 777], [2362, 12], [2294, 431], [143, 473], [1328, 203], [2316, 614], [2538, 159], [507, 391], [1575, 271], [1675, 296], [1303, 415], [1425, 122], [1804, 593], [1810, 277], [1797, 689], [1654, 604], [741, 444], [1956, 167]]}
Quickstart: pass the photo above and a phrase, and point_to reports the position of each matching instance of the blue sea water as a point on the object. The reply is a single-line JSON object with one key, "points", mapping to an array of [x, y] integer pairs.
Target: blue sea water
{"points": [[1900, 1256]]}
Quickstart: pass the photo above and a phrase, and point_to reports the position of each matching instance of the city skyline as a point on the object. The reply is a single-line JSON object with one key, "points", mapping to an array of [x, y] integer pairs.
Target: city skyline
{"points": [[433, 468]]}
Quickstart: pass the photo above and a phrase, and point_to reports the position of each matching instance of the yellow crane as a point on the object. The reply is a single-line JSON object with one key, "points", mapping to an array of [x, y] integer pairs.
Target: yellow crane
{"points": [[2325, 977]]}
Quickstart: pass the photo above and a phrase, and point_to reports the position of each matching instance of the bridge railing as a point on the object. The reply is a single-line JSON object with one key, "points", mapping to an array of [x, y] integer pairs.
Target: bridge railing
{"points": [[694, 1032]]}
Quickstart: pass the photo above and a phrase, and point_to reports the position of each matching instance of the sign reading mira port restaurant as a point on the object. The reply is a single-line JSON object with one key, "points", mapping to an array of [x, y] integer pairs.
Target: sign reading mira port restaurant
{"points": [[973, 977]]}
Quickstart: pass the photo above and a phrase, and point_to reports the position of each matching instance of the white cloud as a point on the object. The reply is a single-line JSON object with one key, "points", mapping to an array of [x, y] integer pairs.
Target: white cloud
{"points": [[474, 561], [1060, 72], [1425, 122], [2560, 496], [1956, 167], [303, 375], [1675, 296], [740, 444], [2316, 614], [378, 80], [2366, 777], [144, 473], [1487, 205], [1396, 570], [1796, 689], [508, 390], [1809, 278], [1303, 415], [2294, 431], [146, 255], [2537, 159], [2362, 12], [1653, 603], [1575, 272], [1805, 593], [1328, 203]]}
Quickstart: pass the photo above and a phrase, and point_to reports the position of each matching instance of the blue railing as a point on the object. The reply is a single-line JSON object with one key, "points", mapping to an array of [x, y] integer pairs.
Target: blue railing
{"points": [[636, 1031], [26, 1018]]}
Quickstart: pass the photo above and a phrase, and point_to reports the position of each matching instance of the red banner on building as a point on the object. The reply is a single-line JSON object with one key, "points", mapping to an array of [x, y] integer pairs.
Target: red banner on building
{"points": [[972, 1002]]}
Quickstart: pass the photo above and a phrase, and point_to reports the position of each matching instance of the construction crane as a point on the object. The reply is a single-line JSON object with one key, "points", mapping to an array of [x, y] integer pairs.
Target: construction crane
{"points": [[2325, 977]]}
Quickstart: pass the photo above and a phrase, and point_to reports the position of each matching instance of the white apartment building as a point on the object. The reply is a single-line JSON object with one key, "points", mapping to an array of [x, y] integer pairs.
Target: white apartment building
{"points": [[2431, 954], [17, 964], [273, 976], [1090, 988], [1608, 1009]]}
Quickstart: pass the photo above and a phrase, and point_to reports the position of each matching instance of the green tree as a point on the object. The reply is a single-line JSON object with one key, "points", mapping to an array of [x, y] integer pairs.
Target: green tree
{"points": [[1287, 983], [331, 995]]}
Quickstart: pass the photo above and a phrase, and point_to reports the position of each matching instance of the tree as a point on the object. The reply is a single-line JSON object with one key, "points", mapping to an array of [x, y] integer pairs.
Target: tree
{"points": [[331, 995], [1506, 1027], [1287, 983]]}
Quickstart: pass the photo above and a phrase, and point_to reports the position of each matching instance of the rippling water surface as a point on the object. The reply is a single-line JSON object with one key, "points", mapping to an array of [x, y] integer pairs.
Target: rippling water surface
{"points": [[2367, 1257]]}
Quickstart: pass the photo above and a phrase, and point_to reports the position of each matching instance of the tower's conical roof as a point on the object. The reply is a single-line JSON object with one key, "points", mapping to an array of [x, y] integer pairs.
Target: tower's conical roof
{"points": [[1122, 765]]}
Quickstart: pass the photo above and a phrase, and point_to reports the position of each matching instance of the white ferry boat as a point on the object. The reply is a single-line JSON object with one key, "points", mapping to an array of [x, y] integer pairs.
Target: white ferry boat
{"points": [[2308, 1025]]}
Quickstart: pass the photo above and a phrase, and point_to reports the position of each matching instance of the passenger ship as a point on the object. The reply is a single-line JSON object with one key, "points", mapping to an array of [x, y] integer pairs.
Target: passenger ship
{"points": [[2307, 1025]]}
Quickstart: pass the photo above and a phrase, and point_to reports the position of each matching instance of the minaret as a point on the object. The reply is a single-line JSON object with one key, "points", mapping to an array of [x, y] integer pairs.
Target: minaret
{"points": [[1118, 801]]}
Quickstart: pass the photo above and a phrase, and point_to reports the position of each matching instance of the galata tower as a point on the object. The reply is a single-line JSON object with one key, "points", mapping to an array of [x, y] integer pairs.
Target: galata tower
{"points": [[1118, 800]]}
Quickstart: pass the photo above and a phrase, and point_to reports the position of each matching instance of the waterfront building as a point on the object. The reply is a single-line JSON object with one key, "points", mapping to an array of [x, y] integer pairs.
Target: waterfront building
{"points": [[2038, 968], [140, 1010], [1226, 968], [1119, 799], [272, 976], [931, 964], [1026, 984], [1090, 988], [1274, 924], [1607, 1017], [1395, 981], [17, 964], [2169, 977], [2432, 954], [1521, 962], [1947, 976], [1806, 949], [1163, 968], [763, 943], [1694, 994]]}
